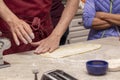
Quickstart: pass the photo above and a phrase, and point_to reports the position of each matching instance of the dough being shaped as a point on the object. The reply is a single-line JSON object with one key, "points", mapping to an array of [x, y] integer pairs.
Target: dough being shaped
{"points": [[71, 49]]}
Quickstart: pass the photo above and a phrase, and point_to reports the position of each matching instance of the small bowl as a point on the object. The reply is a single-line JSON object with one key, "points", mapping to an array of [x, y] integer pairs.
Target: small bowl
{"points": [[97, 67]]}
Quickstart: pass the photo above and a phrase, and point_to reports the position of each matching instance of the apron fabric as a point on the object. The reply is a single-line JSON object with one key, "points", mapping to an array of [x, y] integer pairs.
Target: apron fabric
{"points": [[36, 13], [56, 12], [56, 9]]}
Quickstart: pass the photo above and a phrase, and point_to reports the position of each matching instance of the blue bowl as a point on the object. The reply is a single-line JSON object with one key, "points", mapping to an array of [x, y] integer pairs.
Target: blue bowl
{"points": [[97, 67]]}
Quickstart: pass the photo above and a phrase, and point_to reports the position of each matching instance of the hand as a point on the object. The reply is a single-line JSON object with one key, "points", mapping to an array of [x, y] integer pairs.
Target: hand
{"points": [[48, 44], [21, 31]]}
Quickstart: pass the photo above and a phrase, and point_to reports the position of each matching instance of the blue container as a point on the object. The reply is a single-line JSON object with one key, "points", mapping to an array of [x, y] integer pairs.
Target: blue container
{"points": [[97, 67]]}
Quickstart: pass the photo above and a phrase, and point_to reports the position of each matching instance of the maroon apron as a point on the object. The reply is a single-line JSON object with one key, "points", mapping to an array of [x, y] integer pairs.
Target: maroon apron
{"points": [[36, 13], [56, 12]]}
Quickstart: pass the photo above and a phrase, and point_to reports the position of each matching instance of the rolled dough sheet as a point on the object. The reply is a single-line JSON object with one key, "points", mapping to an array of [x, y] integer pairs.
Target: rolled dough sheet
{"points": [[72, 49]]}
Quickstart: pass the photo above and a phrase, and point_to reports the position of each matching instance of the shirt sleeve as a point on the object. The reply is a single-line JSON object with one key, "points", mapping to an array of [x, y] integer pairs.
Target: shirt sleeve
{"points": [[88, 13]]}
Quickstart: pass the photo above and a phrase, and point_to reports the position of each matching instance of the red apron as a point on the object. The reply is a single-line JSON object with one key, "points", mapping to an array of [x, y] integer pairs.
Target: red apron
{"points": [[56, 12], [34, 12]]}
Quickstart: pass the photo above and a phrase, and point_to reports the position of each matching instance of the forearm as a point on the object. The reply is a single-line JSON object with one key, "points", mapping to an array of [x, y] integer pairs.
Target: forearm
{"points": [[112, 18], [99, 24], [67, 15], [115, 22], [4, 11]]}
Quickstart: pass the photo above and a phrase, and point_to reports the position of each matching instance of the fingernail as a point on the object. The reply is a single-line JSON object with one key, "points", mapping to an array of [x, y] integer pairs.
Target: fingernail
{"points": [[25, 42], [29, 40], [32, 36], [37, 51], [18, 43]]}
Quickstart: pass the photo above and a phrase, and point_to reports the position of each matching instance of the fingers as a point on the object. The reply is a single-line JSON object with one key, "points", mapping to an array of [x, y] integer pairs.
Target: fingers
{"points": [[15, 38], [28, 30], [41, 50], [0, 33], [44, 48], [40, 47], [21, 37], [48, 44], [52, 49], [21, 31], [25, 35], [35, 44]]}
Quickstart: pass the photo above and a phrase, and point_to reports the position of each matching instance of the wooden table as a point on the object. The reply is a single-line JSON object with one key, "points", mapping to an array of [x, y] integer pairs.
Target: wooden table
{"points": [[23, 63]]}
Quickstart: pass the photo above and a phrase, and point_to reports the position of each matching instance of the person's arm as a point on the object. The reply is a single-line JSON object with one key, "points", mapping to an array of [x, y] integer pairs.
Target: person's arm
{"points": [[89, 17], [20, 29], [88, 14], [52, 42], [67, 15], [112, 18], [99, 24]]}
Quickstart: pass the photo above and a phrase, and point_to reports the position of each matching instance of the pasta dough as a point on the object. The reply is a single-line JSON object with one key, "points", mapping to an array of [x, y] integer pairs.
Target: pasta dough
{"points": [[71, 49]]}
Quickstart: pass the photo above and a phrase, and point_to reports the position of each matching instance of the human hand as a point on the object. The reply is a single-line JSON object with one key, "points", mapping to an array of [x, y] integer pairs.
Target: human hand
{"points": [[48, 44], [21, 31]]}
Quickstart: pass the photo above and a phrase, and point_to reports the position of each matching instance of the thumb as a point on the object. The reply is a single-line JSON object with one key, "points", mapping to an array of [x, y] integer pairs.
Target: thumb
{"points": [[35, 44], [0, 33]]}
